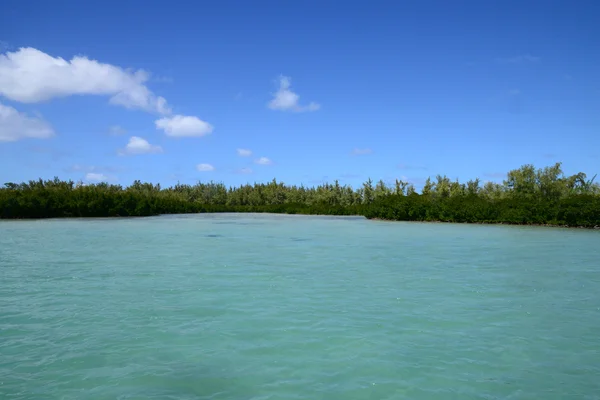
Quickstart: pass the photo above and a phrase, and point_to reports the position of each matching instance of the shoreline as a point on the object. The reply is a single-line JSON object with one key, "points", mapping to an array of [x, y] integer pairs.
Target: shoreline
{"points": [[596, 227]]}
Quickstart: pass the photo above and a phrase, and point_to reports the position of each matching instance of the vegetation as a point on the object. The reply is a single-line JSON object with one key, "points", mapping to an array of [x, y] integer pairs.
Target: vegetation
{"points": [[527, 196]]}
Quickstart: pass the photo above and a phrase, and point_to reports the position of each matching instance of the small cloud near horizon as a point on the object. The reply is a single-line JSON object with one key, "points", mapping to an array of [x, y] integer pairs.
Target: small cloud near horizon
{"points": [[96, 177], [263, 161]]}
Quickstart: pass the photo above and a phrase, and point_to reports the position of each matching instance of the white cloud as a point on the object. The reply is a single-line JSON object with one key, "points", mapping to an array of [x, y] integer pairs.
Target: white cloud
{"points": [[360, 152], [29, 75], [184, 126], [117, 130], [245, 171], [15, 125], [263, 161], [244, 152], [205, 167], [286, 100], [95, 177], [138, 145]]}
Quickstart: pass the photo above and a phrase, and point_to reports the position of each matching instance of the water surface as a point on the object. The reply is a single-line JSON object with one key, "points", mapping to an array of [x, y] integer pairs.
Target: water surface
{"points": [[293, 307]]}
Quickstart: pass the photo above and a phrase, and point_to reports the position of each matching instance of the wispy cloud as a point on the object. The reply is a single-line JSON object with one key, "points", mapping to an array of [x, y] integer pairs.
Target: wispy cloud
{"points": [[263, 161], [361, 152], [514, 92], [244, 171], [116, 130], [286, 100], [411, 167], [205, 167], [244, 152], [520, 59]]}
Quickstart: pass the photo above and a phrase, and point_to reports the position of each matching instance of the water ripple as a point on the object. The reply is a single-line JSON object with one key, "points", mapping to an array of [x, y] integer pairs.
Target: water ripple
{"points": [[291, 307]]}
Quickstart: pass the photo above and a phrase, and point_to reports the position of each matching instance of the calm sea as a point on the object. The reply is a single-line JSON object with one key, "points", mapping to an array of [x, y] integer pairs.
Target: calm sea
{"points": [[293, 307]]}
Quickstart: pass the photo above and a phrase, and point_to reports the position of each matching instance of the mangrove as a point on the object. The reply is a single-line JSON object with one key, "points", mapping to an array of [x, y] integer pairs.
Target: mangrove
{"points": [[527, 195]]}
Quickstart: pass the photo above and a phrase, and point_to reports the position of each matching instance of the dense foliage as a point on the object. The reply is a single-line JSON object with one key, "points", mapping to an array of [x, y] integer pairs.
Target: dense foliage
{"points": [[527, 196]]}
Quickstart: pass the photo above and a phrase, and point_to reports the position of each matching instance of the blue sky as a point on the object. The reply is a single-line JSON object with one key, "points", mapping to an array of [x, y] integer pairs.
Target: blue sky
{"points": [[316, 90]]}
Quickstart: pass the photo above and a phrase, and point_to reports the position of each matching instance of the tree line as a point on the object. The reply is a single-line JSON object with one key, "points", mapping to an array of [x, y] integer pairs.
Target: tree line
{"points": [[527, 196]]}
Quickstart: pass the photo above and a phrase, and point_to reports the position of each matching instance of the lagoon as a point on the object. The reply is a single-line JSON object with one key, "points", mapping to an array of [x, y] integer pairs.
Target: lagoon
{"points": [[261, 306]]}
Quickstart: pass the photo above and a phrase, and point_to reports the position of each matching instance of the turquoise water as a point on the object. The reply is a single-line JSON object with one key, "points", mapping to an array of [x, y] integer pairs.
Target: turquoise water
{"points": [[294, 307]]}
